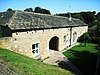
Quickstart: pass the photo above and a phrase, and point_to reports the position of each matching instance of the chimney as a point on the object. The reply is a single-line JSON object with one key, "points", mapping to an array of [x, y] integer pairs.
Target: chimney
{"points": [[69, 14]]}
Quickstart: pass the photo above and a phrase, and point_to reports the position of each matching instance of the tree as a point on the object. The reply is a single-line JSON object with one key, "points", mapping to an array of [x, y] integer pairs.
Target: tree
{"points": [[0, 32], [41, 10], [73, 15], [44, 11], [37, 9], [84, 38], [98, 16], [77, 15], [89, 17], [9, 9], [29, 9]]}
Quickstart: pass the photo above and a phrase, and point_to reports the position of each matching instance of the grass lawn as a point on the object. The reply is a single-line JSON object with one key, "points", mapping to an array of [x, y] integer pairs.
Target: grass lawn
{"points": [[85, 58], [27, 66]]}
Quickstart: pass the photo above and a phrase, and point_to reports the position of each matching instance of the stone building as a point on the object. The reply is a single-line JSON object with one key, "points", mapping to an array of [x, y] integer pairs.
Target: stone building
{"points": [[34, 34]]}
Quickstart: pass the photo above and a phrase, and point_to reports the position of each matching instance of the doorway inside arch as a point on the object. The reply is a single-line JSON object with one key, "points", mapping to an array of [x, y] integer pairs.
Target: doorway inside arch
{"points": [[54, 43]]}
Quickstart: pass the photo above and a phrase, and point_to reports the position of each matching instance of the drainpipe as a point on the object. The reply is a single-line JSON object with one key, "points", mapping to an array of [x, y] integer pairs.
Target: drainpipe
{"points": [[70, 36]]}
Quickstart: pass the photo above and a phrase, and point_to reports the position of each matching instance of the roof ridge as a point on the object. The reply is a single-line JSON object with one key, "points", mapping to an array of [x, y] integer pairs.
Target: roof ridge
{"points": [[11, 19], [41, 14], [76, 18], [28, 20], [73, 22]]}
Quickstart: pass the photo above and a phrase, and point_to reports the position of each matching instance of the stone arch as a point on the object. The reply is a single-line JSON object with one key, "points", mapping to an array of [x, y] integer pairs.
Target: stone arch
{"points": [[74, 37], [54, 43]]}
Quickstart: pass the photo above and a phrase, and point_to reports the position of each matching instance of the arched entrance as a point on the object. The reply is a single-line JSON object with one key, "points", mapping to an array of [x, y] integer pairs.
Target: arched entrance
{"points": [[54, 43]]}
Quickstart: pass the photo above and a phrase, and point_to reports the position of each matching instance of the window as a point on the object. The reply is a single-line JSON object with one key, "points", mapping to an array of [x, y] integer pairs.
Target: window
{"points": [[74, 36], [35, 49], [65, 38]]}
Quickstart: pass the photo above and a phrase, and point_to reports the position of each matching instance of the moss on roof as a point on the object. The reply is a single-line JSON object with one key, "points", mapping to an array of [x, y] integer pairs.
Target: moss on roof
{"points": [[29, 20], [5, 16]]}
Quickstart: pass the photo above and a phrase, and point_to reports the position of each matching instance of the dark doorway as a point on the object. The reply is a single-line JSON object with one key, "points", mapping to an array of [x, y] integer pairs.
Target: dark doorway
{"points": [[54, 43]]}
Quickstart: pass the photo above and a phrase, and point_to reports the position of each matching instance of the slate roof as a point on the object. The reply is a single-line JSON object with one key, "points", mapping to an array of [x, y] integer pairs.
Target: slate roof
{"points": [[30, 20], [93, 28]]}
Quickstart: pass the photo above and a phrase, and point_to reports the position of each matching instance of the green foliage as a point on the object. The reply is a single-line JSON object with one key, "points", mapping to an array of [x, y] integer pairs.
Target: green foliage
{"points": [[0, 32], [76, 15], [95, 34], [87, 17], [98, 16], [41, 10], [9, 9], [97, 31], [96, 40], [27, 66], [37, 9], [84, 38], [85, 58], [90, 37], [29, 9]]}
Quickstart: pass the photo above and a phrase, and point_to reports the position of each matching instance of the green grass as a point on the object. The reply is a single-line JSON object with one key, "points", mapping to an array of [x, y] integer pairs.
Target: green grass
{"points": [[27, 66], [85, 58]]}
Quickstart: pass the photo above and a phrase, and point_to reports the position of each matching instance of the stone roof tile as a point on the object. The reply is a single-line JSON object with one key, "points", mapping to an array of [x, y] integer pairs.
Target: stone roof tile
{"points": [[30, 20]]}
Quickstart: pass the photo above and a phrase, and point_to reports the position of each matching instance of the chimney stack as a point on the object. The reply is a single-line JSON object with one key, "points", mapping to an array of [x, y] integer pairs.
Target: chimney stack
{"points": [[69, 14]]}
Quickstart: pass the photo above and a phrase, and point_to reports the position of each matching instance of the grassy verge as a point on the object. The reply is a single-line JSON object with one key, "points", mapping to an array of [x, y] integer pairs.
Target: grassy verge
{"points": [[27, 66], [85, 58]]}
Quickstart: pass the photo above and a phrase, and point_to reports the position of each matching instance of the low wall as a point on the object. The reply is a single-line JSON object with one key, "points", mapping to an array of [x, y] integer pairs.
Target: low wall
{"points": [[6, 43]]}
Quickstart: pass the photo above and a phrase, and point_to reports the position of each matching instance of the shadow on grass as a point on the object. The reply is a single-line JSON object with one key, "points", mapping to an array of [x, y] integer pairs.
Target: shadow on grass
{"points": [[68, 66], [98, 63], [84, 61], [98, 47]]}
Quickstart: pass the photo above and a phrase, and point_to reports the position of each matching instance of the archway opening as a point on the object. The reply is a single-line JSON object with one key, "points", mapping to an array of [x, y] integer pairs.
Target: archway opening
{"points": [[54, 43]]}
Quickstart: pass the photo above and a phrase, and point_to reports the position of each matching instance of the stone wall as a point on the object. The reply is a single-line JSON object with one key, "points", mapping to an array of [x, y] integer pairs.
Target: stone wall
{"points": [[6, 43], [79, 30], [22, 41]]}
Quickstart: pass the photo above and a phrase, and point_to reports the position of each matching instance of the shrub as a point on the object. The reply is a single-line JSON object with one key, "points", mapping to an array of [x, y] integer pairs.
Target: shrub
{"points": [[0, 32], [84, 38]]}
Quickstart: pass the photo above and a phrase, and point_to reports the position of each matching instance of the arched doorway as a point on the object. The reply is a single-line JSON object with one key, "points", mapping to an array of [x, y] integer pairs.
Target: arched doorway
{"points": [[54, 43]]}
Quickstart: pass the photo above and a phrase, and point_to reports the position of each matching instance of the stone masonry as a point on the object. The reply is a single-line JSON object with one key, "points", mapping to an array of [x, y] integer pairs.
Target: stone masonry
{"points": [[21, 42]]}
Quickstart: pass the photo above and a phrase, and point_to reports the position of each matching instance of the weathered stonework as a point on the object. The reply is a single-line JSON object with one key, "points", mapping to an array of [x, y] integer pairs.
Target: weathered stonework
{"points": [[34, 34], [22, 41], [6, 43]]}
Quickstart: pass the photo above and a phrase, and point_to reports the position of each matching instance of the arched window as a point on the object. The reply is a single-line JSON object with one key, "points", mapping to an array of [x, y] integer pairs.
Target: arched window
{"points": [[74, 36]]}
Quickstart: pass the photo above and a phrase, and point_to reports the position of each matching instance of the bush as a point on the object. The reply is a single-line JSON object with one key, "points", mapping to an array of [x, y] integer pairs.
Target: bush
{"points": [[84, 38], [0, 32], [90, 38], [97, 40]]}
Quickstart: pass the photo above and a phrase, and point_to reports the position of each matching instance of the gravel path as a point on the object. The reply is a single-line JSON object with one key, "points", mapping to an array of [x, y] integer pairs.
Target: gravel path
{"points": [[57, 58]]}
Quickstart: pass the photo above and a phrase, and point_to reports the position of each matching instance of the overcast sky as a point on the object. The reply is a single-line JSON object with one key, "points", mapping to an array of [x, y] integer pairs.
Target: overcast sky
{"points": [[55, 6]]}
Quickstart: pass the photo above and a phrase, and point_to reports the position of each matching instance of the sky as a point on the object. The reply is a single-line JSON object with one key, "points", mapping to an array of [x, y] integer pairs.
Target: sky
{"points": [[55, 6]]}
